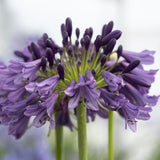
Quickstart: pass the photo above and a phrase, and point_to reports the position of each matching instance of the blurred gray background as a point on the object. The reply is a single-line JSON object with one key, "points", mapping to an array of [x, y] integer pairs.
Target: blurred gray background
{"points": [[139, 21]]}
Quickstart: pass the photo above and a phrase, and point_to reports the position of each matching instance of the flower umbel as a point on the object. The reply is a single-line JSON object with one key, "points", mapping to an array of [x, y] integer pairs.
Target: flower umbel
{"points": [[53, 80]]}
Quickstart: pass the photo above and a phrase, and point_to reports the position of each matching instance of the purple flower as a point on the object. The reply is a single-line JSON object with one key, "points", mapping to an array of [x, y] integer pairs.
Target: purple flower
{"points": [[85, 87], [111, 100], [18, 127], [14, 111], [128, 110], [146, 56], [53, 80], [30, 68], [11, 74], [132, 112], [45, 88], [42, 111], [17, 94], [144, 79], [137, 97], [62, 117], [114, 82]]}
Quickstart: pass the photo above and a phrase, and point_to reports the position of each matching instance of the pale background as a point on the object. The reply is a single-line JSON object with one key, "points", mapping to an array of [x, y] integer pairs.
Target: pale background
{"points": [[139, 21]]}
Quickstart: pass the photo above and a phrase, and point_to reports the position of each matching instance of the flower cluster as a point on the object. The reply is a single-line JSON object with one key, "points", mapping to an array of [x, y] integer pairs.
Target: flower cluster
{"points": [[53, 80]]}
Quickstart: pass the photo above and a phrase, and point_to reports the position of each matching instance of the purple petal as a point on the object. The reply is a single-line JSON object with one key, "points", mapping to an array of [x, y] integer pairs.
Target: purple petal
{"points": [[73, 103], [92, 95], [50, 102], [114, 82], [47, 86], [151, 100], [19, 127], [146, 56], [143, 113], [70, 91], [16, 95], [89, 78], [33, 110], [40, 119], [31, 87], [132, 125]]}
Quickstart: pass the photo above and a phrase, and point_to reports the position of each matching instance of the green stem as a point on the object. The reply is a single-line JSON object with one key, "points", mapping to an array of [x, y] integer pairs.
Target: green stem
{"points": [[59, 141], [110, 136], [82, 134]]}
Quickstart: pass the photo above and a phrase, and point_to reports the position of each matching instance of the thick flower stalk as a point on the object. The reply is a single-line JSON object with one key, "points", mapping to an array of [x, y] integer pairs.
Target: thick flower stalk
{"points": [[82, 79]]}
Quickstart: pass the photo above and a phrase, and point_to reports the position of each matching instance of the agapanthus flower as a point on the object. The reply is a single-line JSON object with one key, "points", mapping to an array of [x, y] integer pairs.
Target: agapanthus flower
{"points": [[52, 80]]}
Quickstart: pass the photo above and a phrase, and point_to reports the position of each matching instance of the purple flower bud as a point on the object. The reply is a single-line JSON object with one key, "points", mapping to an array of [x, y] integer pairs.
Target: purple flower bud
{"points": [[103, 60], [60, 71], [82, 42], [132, 66], [89, 61], [107, 28], [86, 32], [43, 63], [45, 37], [20, 54], [60, 50], [69, 26], [49, 54], [86, 42], [109, 47], [115, 34], [29, 49], [50, 44], [119, 51], [65, 38], [69, 50], [41, 43], [104, 30], [63, 29], [35, 50], [76, 43], [94, 72], [77, 33], [97, 42], [79, 63], [90, 33]]}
